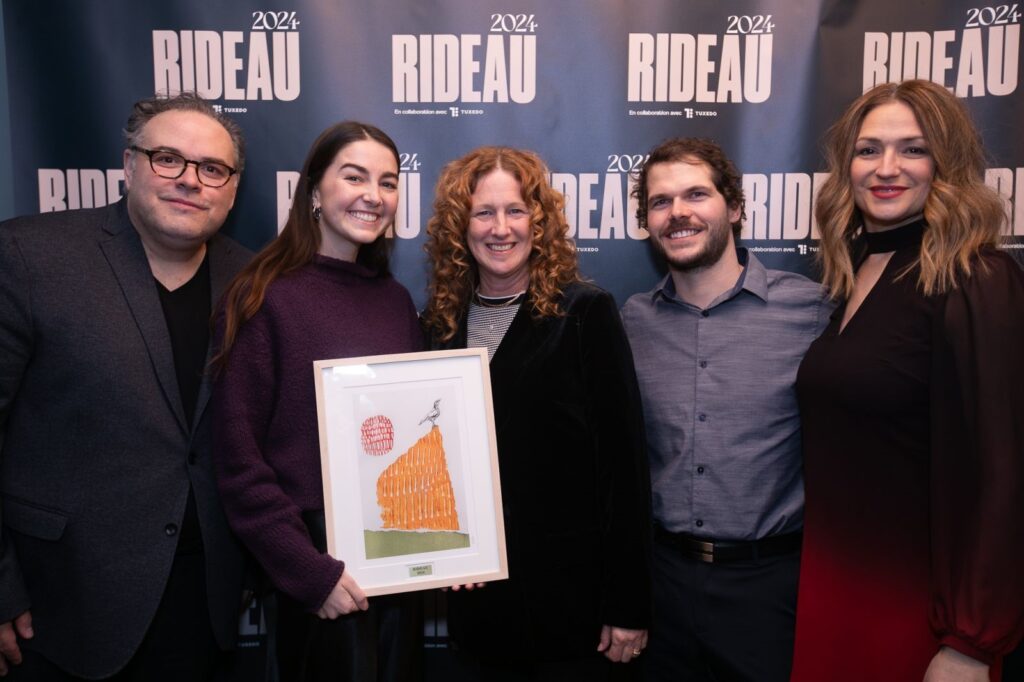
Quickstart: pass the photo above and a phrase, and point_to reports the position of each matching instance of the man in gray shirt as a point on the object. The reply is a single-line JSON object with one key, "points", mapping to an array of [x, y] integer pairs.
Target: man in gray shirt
{"points": [[717, 344]]}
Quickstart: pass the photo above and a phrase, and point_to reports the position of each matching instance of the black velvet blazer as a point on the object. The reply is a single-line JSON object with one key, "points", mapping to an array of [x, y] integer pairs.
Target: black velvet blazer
{"points": [[575, 487]]}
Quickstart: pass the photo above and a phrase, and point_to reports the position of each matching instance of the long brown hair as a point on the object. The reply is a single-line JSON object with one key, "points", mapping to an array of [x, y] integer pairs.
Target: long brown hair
{"points": [[300, 239], [962, 214], [454, 275]]}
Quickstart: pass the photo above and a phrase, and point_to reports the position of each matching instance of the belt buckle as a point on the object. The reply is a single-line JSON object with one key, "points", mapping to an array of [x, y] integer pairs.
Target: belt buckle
{"points": [[706, 551]]}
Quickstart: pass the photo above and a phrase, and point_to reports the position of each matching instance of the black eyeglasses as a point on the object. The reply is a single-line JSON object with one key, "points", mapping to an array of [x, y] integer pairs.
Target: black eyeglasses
{"points": [[172, 165]]}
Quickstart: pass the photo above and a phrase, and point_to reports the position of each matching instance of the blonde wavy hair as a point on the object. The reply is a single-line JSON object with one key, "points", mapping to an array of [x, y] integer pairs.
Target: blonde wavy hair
{"points": [[454, 271], [963, 215]]}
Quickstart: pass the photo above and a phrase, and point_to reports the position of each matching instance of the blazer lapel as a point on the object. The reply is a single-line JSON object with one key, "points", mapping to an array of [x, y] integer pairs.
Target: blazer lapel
{"points": [[127, 258], [520, 343], [221, 274], [512, 360]]}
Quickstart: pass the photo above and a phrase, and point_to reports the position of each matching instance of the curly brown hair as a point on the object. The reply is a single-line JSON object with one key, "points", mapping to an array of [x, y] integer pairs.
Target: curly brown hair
{"points": [[727, 179], [962, 213], [454, 273]]}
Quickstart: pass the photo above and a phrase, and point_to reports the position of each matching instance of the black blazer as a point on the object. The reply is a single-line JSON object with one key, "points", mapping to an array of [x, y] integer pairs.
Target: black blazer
{"points": [[574, 482], [96, 455]]}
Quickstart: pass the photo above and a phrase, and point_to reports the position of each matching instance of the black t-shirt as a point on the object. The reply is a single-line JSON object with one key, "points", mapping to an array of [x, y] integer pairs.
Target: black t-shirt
{"points": [[187, 313]]}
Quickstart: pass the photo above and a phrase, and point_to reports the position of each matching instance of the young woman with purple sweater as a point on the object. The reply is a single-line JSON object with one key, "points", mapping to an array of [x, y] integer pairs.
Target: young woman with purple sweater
{"points": [[320, 290]]}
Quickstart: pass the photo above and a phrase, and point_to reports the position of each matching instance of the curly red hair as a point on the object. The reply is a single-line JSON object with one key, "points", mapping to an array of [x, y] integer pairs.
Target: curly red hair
{"points": [[454, 273]]}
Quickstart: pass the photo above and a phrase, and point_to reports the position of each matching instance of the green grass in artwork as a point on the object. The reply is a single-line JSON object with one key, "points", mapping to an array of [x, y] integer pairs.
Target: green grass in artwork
{"points": [[383, 543]]}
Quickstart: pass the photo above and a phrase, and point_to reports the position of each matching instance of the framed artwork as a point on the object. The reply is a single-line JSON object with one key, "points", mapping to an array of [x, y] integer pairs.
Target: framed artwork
{"points": [[410, 468]]}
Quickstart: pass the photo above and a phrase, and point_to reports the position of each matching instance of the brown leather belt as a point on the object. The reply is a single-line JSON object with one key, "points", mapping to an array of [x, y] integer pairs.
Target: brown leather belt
{"points": [[719, 551]]}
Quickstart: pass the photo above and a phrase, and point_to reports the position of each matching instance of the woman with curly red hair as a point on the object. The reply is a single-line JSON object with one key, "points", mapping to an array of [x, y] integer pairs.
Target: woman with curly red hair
{"points": [[574, 475]]}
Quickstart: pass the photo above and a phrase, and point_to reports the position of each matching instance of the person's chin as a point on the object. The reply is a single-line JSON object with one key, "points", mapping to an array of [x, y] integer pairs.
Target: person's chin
{"points": [[690, 262], [184, 224], [363, 234], [682, 257]]}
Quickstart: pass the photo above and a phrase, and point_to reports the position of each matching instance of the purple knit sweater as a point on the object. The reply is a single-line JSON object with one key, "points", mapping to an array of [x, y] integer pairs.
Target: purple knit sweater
{"points": [[266, 440]]}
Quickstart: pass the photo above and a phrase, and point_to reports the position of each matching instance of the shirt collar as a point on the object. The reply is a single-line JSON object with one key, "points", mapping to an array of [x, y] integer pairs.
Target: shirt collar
{"points": [[753, 278]]}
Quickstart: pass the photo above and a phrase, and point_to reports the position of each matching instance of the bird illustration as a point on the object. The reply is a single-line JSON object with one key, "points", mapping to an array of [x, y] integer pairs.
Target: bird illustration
{"points": [[434, 413]]}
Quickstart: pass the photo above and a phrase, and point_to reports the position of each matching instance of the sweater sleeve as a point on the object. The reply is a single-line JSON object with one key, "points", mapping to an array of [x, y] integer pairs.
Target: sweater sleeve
{"points": [[977, 478], [615, 415], [260, 512]]}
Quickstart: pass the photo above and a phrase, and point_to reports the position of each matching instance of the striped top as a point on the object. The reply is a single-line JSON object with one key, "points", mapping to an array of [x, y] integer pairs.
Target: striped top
{"points": [[487, 324]]}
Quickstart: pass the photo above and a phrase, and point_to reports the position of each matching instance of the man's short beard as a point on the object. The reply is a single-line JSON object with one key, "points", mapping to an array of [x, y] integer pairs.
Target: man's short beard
{"points": [[715, 246]]}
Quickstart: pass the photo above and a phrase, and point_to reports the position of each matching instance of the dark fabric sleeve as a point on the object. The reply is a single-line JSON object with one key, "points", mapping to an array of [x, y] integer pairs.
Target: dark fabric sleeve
{"points": [[265, 518], [616, 419], [15, 353], [977, 477]]}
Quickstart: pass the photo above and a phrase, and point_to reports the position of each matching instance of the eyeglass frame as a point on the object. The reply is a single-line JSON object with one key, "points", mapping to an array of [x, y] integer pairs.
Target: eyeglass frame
{"points": [[199, 176]]}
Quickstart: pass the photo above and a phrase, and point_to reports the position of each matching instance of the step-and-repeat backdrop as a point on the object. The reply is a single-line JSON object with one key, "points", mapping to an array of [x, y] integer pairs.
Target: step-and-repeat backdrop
{"points": [[591, 86]]}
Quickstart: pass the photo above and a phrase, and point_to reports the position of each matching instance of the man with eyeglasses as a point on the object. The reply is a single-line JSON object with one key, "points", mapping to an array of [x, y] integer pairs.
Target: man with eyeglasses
{"points": [[115, 558]]}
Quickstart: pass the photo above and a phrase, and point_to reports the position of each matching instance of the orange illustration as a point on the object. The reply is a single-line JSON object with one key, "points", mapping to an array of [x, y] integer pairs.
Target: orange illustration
{"points": [[415, 491]]}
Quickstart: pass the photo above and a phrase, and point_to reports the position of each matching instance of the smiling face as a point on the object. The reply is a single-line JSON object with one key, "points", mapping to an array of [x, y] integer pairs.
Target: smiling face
{"points": [[180, 214], [687, 217], [358, 198], [499, 234], [892, 168]]}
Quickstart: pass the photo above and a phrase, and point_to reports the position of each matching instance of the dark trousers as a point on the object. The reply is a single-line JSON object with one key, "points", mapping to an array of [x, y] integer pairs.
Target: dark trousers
{"points": [[721, 622], [381, 644], [594, 668], [179, 644]]}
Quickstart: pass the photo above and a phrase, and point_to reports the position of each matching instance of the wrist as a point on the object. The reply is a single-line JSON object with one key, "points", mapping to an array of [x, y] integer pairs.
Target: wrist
{"points": [[960, 659]]}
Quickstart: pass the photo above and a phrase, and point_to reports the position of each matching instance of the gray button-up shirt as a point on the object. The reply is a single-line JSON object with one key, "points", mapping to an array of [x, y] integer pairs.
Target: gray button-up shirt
{"points": [[723, 428]]}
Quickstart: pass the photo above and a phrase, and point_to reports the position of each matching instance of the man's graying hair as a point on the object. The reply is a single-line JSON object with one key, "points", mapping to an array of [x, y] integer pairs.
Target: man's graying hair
{"points": [[144, 110]]}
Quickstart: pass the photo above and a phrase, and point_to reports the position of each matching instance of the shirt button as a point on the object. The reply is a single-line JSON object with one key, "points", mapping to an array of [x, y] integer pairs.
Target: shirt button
{"points": [[171, 529], [700, 524], [704, 313], [700, 470], [702, 417], [192, 457], [703, 363]]}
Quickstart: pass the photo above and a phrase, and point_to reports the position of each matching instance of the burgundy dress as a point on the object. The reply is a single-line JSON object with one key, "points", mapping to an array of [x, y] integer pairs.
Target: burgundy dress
{"points": [[913, 428]]}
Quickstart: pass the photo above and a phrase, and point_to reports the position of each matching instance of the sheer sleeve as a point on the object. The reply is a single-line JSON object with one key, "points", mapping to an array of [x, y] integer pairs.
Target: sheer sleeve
{"points": [[977, 476]]}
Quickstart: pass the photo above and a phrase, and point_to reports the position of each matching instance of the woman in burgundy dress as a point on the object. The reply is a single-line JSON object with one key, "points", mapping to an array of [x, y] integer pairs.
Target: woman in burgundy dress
{"points": [[912, 402]]}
